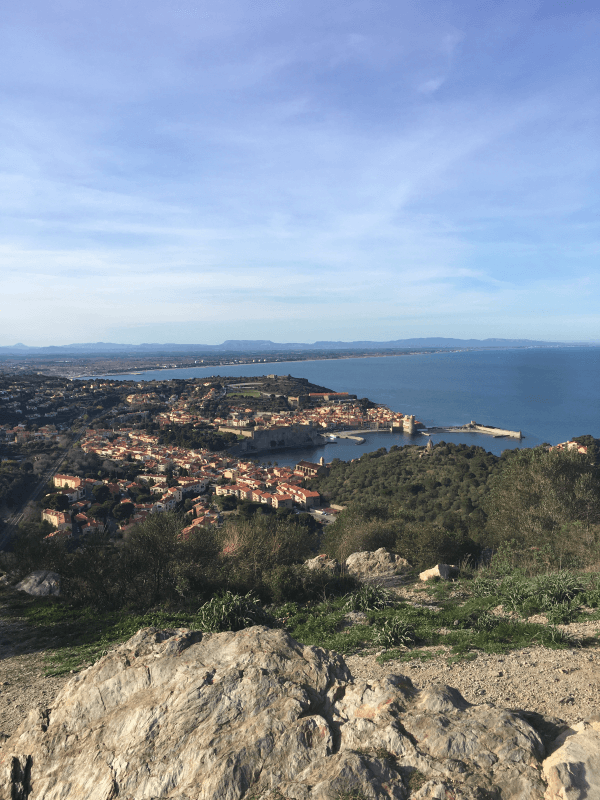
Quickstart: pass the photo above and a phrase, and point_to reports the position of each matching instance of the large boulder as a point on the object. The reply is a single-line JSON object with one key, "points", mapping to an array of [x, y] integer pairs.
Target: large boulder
{"points": [[441, 571], [42, 583], [323, 563], [180, 714], [572, 769], [378, 566]]}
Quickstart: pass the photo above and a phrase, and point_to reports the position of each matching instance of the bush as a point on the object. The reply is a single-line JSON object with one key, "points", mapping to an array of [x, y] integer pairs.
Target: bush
{"points": [[359, 528], [547, 499], [252, 549], [232, 612], [396, 632], [370, 598]]}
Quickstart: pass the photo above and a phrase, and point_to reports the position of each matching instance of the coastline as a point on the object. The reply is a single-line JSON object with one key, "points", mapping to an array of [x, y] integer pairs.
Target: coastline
{"points": [[510, 387], [345, 357]]}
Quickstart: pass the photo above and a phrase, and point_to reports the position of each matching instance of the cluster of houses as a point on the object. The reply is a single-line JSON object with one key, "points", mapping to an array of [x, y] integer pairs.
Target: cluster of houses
{"points": [[80, 495], [194, 473], [18, 434], [326, 411], [78, 492], [581, 448]]}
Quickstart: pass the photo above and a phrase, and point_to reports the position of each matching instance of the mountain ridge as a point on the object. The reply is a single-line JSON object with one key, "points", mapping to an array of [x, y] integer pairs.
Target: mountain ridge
{"points": [[266, 345]]}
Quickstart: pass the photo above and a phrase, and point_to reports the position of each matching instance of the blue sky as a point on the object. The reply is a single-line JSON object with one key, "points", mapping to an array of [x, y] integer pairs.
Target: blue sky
{"points": [[193, 171]]}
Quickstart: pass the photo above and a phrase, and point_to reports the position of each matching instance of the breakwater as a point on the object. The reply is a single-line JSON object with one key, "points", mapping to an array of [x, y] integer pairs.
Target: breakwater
{"points": [[475, 427]]}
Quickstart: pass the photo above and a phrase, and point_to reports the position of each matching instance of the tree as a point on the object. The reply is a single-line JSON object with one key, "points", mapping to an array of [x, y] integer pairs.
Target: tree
{"points": [[546, 498], [157, 565], [59, 502], [123, 511], [226, 502], [101, 493]]}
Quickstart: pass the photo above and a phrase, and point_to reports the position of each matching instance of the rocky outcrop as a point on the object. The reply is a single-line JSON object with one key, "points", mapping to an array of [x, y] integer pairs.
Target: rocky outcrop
{"points": [[323, 563], [442, 571], [42, 583], [181, 714], [379, 566], [572, 770]]}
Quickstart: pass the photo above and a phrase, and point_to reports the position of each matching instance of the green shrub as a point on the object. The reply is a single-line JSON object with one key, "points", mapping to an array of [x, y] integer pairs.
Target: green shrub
{"points": [[370, 598], [286, 583], [232, 612], [561, 614], [396, 632]]}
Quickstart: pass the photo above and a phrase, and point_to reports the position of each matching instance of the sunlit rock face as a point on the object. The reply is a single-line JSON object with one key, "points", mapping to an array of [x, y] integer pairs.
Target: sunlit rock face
{"points": [[185, 715]]}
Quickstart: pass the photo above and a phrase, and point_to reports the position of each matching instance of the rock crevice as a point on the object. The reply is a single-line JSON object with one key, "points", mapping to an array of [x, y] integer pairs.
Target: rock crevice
{"points": [[179, 714]]}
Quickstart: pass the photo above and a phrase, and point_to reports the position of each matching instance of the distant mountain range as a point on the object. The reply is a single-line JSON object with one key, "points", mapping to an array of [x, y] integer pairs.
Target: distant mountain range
{"points": [[267, 346]]}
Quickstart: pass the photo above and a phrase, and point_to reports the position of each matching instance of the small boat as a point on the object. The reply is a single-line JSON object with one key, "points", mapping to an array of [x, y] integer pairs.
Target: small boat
{"points": [[332, 438]]}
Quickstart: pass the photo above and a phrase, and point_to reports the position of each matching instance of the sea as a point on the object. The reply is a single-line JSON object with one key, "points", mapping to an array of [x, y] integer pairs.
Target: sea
{"points": [[549, 394]]}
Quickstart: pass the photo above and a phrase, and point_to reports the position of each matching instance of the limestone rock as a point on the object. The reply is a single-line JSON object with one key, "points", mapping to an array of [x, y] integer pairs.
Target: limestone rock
{"points": [[42, 583], [180, 714], [378, 565], [324, 564], [572, 770], [442, 571]]}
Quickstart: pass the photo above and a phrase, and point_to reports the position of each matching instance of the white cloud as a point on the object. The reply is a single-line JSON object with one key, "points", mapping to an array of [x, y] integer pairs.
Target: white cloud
{"points": [[234, 161]]}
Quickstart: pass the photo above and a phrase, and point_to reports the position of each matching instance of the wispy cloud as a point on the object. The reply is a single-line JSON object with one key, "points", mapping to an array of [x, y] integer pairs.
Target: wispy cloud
{"points": [[214, 169]]}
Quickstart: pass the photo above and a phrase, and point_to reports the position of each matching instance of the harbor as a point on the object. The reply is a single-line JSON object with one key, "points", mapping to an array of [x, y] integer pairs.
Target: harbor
{"points": [[475, 427], [469, 427]]}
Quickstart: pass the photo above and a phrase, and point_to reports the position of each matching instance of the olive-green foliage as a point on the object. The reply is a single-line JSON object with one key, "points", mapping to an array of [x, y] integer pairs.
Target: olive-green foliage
{"points": [[370, 598], [226, 502], [29, 548], [426, 508], [58, 501], [232, 612], [152, 566], [547, 499], [395, 632], [294, 582], [374, 524], [16, 482], [559, 594], [444, 487], [197, 437], [365, 526], [253, 549], [466, 628]]}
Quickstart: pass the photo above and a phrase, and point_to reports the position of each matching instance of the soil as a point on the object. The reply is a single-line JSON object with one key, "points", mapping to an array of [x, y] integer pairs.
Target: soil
{"points": [[561, 685], [23, 683]]}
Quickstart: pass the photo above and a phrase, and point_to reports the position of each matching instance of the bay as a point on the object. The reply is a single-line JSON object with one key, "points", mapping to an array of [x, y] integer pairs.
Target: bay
{"points": [[549, 394]]}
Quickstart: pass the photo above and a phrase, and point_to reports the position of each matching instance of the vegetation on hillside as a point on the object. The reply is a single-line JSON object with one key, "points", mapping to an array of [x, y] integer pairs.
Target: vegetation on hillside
{"points": [[197, 437], [535, 513]]}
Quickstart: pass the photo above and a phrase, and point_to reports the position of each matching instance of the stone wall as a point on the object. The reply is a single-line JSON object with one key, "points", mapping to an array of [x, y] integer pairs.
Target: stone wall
{"points": [[278, 439]]}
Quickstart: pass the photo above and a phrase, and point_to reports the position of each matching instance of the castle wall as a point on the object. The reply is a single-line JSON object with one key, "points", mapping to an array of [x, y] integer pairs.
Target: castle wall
{"points": [[278, 439]]}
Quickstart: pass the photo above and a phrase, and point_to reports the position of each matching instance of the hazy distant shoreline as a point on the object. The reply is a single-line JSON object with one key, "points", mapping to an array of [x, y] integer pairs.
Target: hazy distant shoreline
{"points": [[330, 357]]}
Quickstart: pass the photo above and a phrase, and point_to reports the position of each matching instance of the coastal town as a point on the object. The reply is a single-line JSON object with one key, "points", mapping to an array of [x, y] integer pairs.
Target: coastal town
{"points": [[202, 447], [197, 446]]}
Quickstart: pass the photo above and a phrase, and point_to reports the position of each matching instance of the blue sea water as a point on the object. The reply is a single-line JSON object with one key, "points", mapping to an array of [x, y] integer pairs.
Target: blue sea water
{"points": [[550, 394]]}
